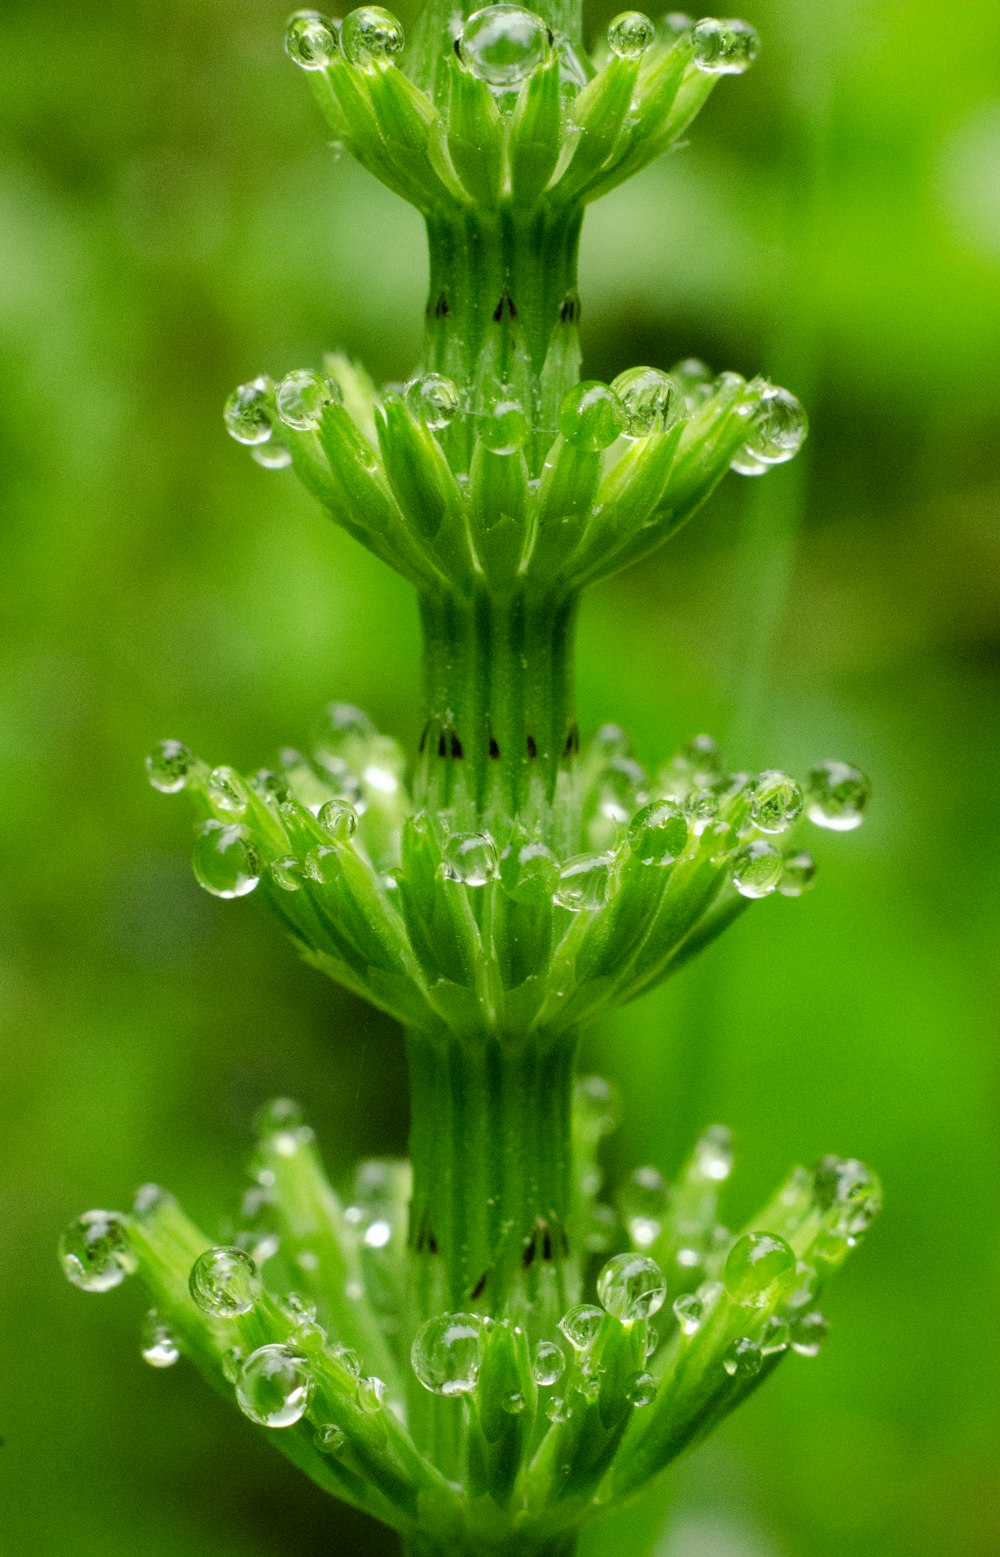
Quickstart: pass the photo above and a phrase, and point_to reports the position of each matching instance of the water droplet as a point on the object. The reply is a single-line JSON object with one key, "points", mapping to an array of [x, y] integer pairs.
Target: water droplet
{"points": [[232, 1363], [168, 766], [596, 1108], [503, 428], [271, 786], [713, 1153], [339, 819], [502, 44], [689, 1312], [274, 454], [774, 1338], [778, 427], [743, 1358], [150, 1200], [807, 1333], [644, 1199], [227, 793], [548, 1364], [757, 1266], [341, 728], [248, 411], [529, 870], [798, 875], [302, 396], [584, 883], [558, 1409], [697, 764], [630, 34], [651, 399], [581, 1325], [95, 1252], [371, 37], [371, 1393], [601, 1228], [836, 796], [278, 1115], [632, 1286], [701, 807], [274, 1386], [446, 1353], [330, 1439], [846, 1185], [694, 378], [310, 40], [224, 1282], [588, 1379], [591, 415], [513, 1402], [775, 801], [159, 1344], [724, 48], [433, 400], [345, 1357], [470, 858], [640, 1390], [288, 873], [756, 869], [225, 859]]}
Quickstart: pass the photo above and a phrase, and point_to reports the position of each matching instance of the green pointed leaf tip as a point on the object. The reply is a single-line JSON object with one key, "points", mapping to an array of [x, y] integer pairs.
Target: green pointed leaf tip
{"points": [[465, 1425]]}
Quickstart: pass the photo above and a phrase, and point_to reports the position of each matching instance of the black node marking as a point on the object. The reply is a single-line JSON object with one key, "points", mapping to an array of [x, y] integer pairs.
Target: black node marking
{"points": [[505, 305], [456, 746], [494, 748], [480, 1286], [547, 1243], [572, 745], [441, 308], [532, 746], [569, 310], [423, 736], [528, 1257], [442, 744]]}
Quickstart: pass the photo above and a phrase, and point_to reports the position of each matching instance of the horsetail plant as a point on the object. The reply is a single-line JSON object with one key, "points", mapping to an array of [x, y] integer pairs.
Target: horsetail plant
{"points": [[427, 1348]]}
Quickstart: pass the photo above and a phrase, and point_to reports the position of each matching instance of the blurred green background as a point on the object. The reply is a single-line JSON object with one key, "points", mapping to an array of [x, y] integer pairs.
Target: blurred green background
{"points": [[172, 222]]}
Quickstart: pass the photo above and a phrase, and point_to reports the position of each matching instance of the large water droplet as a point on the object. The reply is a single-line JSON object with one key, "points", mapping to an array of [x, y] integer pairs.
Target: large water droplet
{"points": [[756, 869], [798, 875], [632, 1286], [689, 1311], [339, 819], [248, 412], [644, 1199], [168, 766], [502, 44], [371, 37], [224, 1282], [470, 858], [584, 883], [757, 1265], [159, 1344], [302, 396], [310, 40], [225, 859], [724, 48], [775, 801], [778, 427], [743, 1358], [95, 1252], [630, 34], [836, 796], [581, 1325], [807, 1333], [274, 1386], [713, 1153], [651, 399], [446, 1353], [548, 1364], [433, 400], [591, 416]]}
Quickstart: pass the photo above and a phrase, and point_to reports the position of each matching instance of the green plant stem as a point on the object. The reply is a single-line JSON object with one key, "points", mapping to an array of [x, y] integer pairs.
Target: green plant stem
{"points": [[515, 1546]]}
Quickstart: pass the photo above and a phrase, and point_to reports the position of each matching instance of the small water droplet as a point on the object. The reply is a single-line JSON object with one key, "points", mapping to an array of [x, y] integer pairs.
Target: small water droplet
{"points": [[433, 400], [724, 48], [274, 1386], [630, 34], [302, 397], [340, 730], [701, 807], [694, 378], [644, 1199], [714, 1153], [528, 869], [689, 1312], [345, 1357], [584, 883], [445, 1354], [513, 1402], [339, 819], [330, 1439], [226, 792], [632, 1286], [581, 1325], [225, 859], [596, 1108], [224, 1282], [502, 44], [274, 454], [640, 1390], [271, 786], [756, 869], [151, 1200], [470, 858], [159, 1344], [278, 1115], [371, 37], [95, 1252], [591, 416], [758, 1265], [798, 875], [774, 1339], [743, 1358], [548, 1364], [658, 834], [651, 399], [371, 1393], [168, 766], [503, 428], [310, 40], [288, 873], [807, 1332], [848, 1187], [248, 412], [558, 1409], [778, 427], [836, 796], [775, 801]]}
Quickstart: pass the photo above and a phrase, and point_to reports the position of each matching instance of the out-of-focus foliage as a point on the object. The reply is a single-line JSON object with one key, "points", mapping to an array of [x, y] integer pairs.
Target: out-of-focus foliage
{"points": [[170, 224]]}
